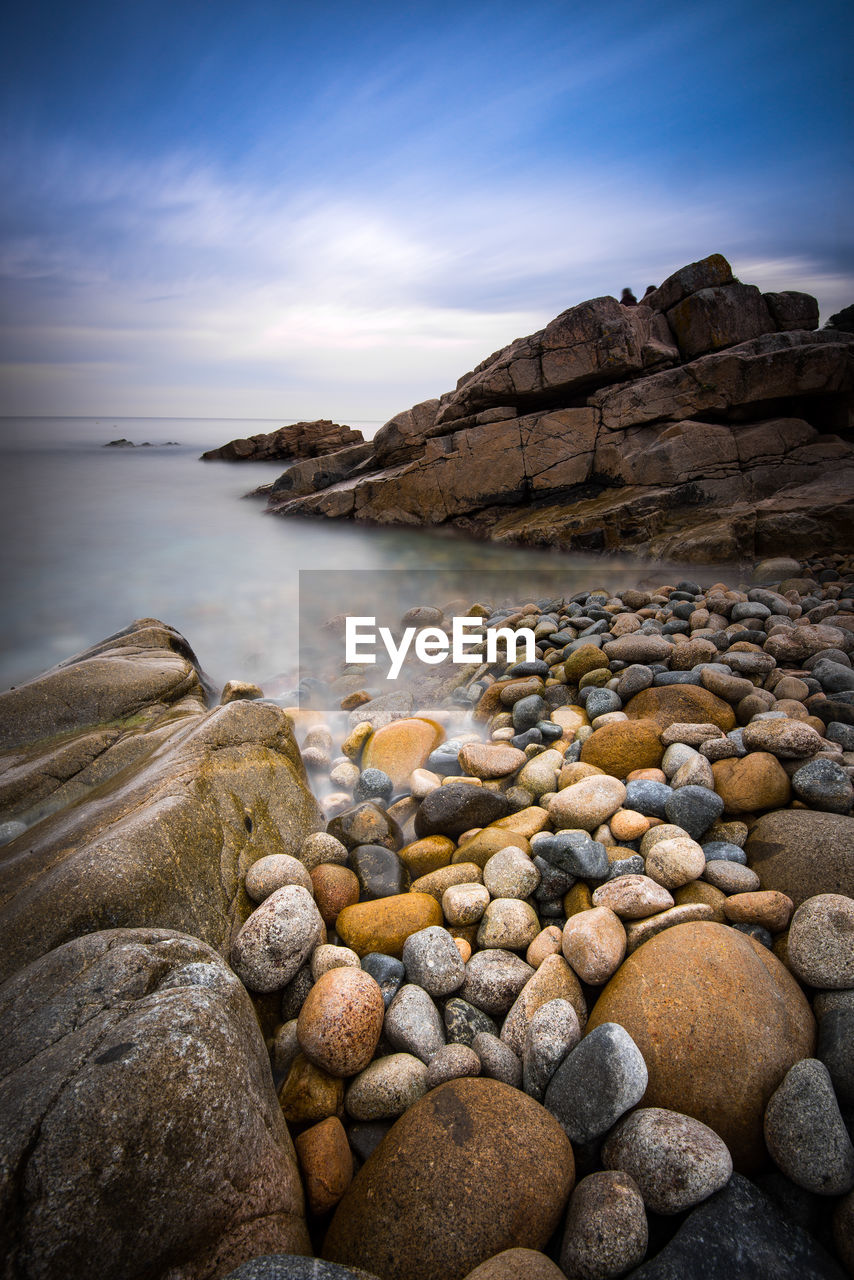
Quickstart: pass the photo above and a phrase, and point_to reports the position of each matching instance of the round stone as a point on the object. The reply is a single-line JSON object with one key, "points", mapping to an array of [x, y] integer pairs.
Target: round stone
{"points": [[623, 746], [433, 962], [386, 1088], [730, 877], [823, 784], [606, 1229], [334, 888], [510, 873], [422, 857], [403, 746], [379, 870], [497, 1059], [511, 1264], [490, 760], [480, 847], [633, 897], [340, 1023], [277, 939], [594, 943], [326, 957], [803, 853], [806, 1134], [681, 704], [326, 1163], [452, 1062], [309, 1094], [508, 923], [388, 973], [552, 1033], [373, 784], [494, 979], [463, 1021], [320, 847], [596, 1083], [586, 804], [768, 908], [786, 739], [457, 807], [385, 924], [540, 773], [821, 941], [756, 782], [675, 862], [464, 904], [274, 872], [675, 1160], [719, 1021], [694, 809], [547, 943], [413, 1024], [554, 980], [627, 824], [433, 1201]]}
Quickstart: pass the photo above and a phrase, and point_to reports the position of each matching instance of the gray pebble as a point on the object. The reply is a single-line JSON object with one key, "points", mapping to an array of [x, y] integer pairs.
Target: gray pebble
{"points": [[805, 1132], [277, 939], [494, 979], [387, 1087], [836, 1048], [598, 1082], [675, 1160], [433, 961], [414, 1024], [450, 1063], [606, 1229], [552, 1033], [824, 785], [821, 941], [497, 1059]]}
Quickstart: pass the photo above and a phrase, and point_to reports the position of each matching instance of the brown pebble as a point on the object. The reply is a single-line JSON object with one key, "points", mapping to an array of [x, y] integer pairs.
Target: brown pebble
{"points": [[768, 907], [326, 1163], [340, 1022], [335, 888]]}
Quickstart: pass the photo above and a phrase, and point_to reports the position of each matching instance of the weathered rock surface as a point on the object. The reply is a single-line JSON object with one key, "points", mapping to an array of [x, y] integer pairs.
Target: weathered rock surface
{"points": [[143, 808], [719, 1021], [295, 440], [473, 1168], [141, 1134], [696, 424]]}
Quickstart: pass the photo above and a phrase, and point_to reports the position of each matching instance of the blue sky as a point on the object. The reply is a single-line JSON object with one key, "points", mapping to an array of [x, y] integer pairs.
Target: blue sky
{"points": [[267, 209]]}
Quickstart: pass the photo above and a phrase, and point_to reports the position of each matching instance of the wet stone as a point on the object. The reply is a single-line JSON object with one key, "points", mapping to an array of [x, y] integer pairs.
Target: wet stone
{"points": [[597, 1083], [277, 939], [320, 847], [373, 784], [806, 1134], [463, 1022], [497, 1060], [388, 973], [510, 873], [432, 961], [455, 808], [379, 870], [366, 823], [413, 1024], [387, 1087], [575, 853], [648, 797], [723, 851]]}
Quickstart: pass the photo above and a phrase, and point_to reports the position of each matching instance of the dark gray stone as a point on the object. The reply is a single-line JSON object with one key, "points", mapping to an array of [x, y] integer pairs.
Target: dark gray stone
{"points": [[387, 971], [290, 1266], [574, 852], [836, 1051], [647, 797], [805, 1133], [598, 1082], [694, 809], [737, 1234], [724, 851], [463, 1021], [457, 807], [822, 784]]}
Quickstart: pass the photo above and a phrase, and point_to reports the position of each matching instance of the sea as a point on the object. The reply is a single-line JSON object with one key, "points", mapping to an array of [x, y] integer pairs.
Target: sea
{"points": [[95, 537]]}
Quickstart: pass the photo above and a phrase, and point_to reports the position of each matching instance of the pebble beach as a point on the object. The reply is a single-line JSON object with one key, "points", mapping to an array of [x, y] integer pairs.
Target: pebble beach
{"points": [[571, 969]]}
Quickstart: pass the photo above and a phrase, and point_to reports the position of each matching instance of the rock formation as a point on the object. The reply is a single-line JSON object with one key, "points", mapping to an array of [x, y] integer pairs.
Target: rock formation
{"points": [[296, 440], [710, 422]]}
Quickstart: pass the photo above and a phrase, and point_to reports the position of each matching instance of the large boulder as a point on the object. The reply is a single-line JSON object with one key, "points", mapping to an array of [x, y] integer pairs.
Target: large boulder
{"points": [[473, 1168], [142, 1135], [160, 825], [803, 852], [719, 1021]]}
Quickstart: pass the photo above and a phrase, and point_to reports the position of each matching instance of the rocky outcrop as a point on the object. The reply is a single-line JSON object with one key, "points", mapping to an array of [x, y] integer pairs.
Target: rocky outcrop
{"points": [[142, 1135], [137, 804], [711, 421], [295, 440]]}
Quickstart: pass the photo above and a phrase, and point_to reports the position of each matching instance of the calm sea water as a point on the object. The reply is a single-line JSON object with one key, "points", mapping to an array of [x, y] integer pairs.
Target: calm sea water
{"points": [[93, 538]]}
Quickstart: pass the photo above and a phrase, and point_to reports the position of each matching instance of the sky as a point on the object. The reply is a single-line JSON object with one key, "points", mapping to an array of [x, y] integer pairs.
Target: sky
{"points": [[265, 209]]}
